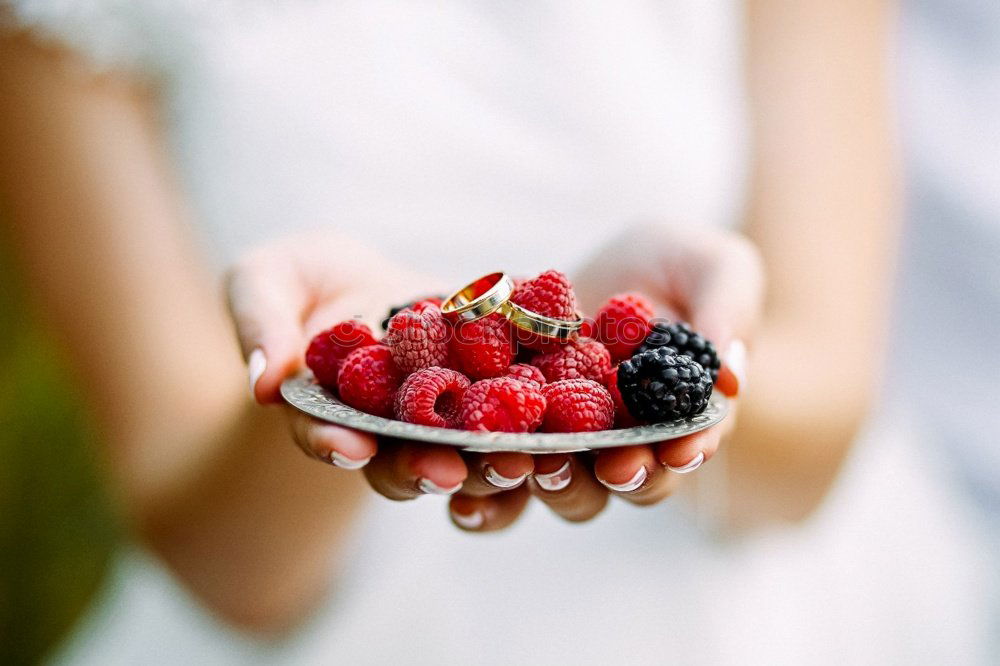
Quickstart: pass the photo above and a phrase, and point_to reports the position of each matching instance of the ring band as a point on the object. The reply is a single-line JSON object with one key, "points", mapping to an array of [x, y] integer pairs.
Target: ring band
{"points": [[479, 298], [540, 325]]}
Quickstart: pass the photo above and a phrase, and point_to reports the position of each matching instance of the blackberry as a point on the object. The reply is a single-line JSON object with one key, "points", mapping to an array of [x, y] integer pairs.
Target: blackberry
{"points": [[683, 340], [661, 385], [396, 309]]}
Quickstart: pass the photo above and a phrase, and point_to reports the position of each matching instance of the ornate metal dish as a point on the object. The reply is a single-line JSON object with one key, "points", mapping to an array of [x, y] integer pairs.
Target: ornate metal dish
{"points": [[305, 394]]}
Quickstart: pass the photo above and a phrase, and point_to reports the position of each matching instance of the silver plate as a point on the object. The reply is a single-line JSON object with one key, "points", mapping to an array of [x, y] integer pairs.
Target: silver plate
{"points": [[305, 394]]}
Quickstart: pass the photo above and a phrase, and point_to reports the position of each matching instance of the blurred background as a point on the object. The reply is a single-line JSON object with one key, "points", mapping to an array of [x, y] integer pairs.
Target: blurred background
{"points": [[57, 527]]}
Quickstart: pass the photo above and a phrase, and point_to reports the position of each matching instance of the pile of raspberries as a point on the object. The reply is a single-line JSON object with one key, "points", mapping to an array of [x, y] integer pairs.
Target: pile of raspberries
{"points": [[624, 369]]}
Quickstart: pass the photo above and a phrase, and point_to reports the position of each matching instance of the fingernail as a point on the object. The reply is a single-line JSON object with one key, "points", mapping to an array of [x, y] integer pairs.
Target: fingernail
{"points": [[497, 479], [342, 461], [736, 358], [555, 481], [632, 484], [691, 466], [473, 521], [430, 488], [256, 365]]}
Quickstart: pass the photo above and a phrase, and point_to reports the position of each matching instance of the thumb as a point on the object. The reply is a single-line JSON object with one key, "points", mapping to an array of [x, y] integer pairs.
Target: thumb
{"points": [[725, 305], [267, 302]]}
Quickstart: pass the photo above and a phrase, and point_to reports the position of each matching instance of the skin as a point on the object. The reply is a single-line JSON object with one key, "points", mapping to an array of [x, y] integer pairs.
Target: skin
{"points": [[216, 485], [284, 293]]}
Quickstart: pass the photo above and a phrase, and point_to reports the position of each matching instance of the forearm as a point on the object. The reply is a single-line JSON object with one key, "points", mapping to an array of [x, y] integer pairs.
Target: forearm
{"points": [[257, 530], [213, 483], [823, 214], [798, 417]]}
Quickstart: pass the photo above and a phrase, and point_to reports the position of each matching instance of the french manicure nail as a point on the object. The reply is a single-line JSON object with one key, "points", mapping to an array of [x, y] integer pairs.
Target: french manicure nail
{"points": [[342, 461], [497, 479], [736, 358], [256, 365], [473, 521], [634, 483], [430, 488], [555, 481], [691, 466]]}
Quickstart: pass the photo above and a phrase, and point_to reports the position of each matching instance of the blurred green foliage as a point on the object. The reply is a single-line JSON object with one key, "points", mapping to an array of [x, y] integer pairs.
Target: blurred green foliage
{"points": [[56, 527]]}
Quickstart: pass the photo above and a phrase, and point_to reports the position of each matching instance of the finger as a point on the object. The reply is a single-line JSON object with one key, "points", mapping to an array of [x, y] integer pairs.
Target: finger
{"points": [[404, 470], [488, 514], [267, 301], [338, 446], [726, 297], [734, 364], [688, 453], [665, 311], [491, 473], [566, 483], [634, 474], [728, 383]]}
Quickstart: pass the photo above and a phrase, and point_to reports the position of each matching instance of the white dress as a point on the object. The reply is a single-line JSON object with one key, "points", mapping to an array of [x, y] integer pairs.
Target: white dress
{"points": [[950, 98], [537, 129]]}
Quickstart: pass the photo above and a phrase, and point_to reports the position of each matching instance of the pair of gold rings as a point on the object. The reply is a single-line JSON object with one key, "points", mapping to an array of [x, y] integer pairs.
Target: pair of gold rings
{"points": [[491, 293]]}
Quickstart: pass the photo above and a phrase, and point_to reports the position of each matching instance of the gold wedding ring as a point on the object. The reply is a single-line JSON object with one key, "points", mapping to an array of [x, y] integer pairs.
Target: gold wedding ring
{"points": [[479, 298], [491, 293], [540, 325]]}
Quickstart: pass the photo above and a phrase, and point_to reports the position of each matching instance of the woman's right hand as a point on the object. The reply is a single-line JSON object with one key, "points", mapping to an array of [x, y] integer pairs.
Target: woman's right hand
{"points": [[282, 294]]}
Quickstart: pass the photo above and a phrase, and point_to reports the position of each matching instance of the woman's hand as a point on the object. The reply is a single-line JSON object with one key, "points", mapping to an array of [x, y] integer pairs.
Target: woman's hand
{"points": [[712, 279], [283, 294]]}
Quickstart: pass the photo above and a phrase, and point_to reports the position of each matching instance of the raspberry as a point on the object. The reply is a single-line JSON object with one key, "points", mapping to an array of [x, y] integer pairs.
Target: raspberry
{"points": [[661, 385], [369, 379], [622, 324], [502, 404], [432, 397], [418, 337], [550, 294], [622, 418], [527, 373], [582, 358], [396, 309], [328, 349], [483, 348], [683, 340], [577, 405]]}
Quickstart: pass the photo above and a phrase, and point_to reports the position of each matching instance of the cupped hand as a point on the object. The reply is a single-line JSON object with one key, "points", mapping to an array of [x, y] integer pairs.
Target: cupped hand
{"points": [[712, 279], [281, 295], [284, 293]]}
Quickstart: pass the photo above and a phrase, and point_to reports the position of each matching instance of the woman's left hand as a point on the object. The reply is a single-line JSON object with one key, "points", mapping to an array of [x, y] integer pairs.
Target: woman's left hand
{"points": [[712, 279]]}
